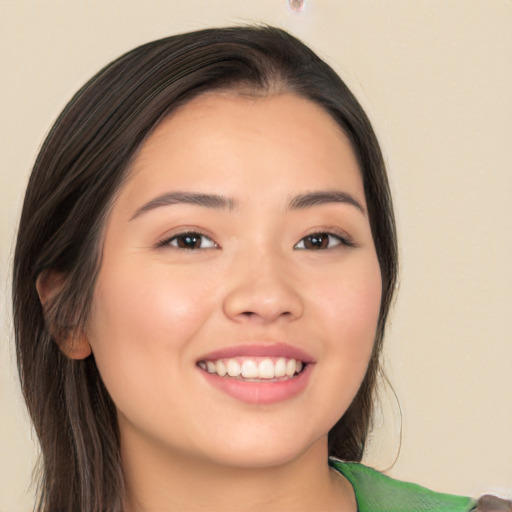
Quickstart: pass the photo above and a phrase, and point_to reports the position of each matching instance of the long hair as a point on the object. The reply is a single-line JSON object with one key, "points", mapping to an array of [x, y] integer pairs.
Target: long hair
{"points": [[79, 170]]}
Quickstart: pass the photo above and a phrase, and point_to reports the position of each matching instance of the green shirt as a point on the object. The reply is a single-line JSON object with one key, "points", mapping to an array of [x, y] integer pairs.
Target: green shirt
{"points": [[376, 492]]}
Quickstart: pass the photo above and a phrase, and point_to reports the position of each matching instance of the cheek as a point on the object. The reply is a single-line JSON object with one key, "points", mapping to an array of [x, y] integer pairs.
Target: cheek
{"points": [[351, 306], [141, 323], [353, 297], [346, 304], [143, 302]]}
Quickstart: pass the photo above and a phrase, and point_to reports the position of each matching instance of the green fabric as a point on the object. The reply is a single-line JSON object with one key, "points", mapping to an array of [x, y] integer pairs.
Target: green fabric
{"points": [[376, 492]]}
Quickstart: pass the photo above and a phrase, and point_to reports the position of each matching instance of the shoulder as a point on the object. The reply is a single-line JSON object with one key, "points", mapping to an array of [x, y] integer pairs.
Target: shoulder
{"points": [[377, 492]]}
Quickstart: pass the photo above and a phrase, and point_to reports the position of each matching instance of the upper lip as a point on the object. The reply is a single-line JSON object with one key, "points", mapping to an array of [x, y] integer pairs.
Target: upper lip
{"points": [[259, 350]]}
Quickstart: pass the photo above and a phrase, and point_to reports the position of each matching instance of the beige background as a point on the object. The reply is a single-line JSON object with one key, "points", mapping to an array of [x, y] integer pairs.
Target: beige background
{"points": [[436, 79]]}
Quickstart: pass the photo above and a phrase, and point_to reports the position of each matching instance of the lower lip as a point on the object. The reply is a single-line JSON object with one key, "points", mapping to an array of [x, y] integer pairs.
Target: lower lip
{"points": [[261, 393]]}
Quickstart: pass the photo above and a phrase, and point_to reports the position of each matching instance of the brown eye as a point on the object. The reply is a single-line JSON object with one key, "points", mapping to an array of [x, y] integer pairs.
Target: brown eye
{"points": [[190, 241], [318, 241]]}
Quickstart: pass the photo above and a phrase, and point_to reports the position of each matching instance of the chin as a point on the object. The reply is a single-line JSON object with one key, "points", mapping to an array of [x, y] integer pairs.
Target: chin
{"points": [[265, 451]]}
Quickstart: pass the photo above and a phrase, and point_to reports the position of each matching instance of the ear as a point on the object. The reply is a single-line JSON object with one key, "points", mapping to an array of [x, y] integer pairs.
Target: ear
{"points": [[49, 283]]}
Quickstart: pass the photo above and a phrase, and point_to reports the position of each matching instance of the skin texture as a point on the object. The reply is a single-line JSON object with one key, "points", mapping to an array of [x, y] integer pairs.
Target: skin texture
{"points": [[158, 309]]}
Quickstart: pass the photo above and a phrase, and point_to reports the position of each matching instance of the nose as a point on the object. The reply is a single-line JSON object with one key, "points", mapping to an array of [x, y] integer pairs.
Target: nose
{"points": [[263, 293]]}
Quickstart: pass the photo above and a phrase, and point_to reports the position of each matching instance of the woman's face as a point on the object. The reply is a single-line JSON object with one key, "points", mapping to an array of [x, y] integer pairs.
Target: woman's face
{"points": [[239, 243]]}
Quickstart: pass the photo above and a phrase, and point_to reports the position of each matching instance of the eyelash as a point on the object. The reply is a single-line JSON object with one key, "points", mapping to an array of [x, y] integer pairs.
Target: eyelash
{"points": [[342, 238]]}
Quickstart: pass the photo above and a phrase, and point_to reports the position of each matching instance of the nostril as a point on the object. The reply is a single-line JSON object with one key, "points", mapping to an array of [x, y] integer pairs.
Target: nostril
{"points": [[252, 314], [262, 301]]}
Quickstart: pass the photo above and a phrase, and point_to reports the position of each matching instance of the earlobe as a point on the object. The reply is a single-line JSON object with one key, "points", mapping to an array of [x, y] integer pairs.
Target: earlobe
{"points": [[75, 347], [48, 285]]}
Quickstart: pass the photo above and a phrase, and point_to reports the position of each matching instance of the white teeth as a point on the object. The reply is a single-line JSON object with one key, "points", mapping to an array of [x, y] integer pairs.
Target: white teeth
{"points": [[249, 369], [266, 369], [220, 368], [280, 367], [291, 366], [254, 368], [233, 368]]}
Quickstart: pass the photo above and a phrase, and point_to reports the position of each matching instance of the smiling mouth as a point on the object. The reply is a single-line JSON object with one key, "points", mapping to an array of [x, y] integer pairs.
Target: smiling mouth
{"points": [[255, 369]]}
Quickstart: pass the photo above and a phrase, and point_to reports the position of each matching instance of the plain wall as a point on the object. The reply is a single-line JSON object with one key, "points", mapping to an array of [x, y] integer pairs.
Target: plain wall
{"points": [[435, 78]]}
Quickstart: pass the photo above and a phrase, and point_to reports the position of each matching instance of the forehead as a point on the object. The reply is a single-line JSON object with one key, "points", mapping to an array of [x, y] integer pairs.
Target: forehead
{"points": [[226, 139]]}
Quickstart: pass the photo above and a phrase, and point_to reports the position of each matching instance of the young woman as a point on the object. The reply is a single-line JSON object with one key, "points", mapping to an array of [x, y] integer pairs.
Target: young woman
{"points": [[205, 263]]}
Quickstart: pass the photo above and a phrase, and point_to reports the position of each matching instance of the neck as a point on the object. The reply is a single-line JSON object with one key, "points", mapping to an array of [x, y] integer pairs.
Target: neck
{"points": [[156, 480]]}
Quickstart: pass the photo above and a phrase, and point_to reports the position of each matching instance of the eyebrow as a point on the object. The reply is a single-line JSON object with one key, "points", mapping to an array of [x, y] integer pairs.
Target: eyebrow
{"points": [[324, 197], [219, 202], [205, 200]]}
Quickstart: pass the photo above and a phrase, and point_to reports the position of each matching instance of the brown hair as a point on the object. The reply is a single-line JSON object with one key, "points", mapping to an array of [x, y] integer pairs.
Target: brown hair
{"points": [[80, 168]]}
